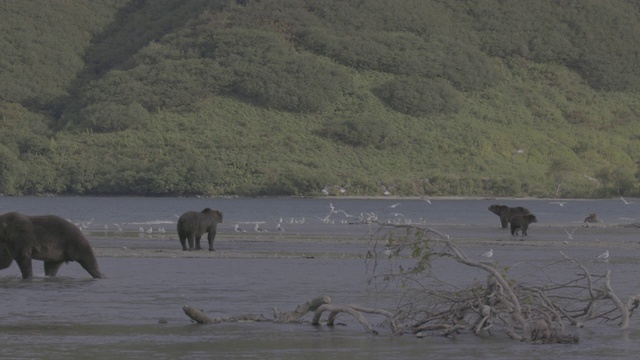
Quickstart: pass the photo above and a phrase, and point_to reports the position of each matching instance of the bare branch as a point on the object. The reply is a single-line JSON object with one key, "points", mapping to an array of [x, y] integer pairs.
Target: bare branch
{"points": [[300, 311], [334, 310], [622, 307]]}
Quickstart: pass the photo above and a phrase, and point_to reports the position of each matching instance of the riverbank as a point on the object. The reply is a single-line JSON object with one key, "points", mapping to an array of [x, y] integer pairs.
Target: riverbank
{"points": [[358, 244]]}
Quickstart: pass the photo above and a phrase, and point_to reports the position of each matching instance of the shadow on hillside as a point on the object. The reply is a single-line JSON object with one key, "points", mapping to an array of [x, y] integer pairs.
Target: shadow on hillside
{"points": [[135, 25]]}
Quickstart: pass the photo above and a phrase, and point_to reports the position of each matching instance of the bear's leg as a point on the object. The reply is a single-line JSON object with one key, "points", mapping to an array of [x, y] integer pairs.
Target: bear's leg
{"points": [[91, 265], [51, 267], [5, 258], [24, 263], [183, 242], [211, 237]]}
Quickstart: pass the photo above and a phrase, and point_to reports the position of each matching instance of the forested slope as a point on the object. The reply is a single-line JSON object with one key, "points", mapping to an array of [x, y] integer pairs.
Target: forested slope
{"points": [[172, 97]]}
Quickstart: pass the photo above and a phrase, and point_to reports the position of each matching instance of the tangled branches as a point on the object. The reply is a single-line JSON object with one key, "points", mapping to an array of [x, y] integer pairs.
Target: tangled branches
{"points": [[446, 292], [529, 310]]}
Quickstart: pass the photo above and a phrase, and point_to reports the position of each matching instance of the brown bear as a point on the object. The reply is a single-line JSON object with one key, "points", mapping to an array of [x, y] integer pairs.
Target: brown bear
{"points": [[521, 222], [591, 219], [193, 224], [505, 213], [48, 238]]}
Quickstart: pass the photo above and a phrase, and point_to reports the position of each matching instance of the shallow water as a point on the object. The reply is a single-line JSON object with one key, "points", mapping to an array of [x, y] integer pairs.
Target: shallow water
{"points": [[136, 312]]}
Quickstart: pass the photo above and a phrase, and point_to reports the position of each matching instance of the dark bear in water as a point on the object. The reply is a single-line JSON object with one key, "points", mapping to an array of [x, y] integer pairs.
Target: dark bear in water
{"points": [[505, 213], [48, 238], [521, 222]]}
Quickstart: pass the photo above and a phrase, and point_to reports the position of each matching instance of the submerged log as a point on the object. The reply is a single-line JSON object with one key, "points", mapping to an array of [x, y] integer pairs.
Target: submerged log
{"points": [[317, 305], [334, 310], [300, 311], [279, 317], [199, 317]]}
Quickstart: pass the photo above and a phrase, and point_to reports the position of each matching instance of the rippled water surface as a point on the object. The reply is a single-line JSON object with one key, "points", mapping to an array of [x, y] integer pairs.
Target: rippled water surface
{"points": [[136, 312]]}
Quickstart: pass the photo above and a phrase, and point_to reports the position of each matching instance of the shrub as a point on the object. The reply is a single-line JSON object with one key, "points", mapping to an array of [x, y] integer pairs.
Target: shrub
{"points": [[110, 117], [420, 96], [361, 132], [10, 172]]}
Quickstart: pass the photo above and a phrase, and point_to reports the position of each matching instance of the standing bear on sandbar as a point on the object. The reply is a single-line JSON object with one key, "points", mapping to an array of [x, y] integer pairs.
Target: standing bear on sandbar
{"points": [[192, 224], [592, 218], [505, 213], [521, 222], [49, 238]]}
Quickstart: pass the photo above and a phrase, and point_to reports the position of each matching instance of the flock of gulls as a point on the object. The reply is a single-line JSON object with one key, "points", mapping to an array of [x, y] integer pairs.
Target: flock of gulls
{"points": [[390, 213], [392, 216], [336, 216]]}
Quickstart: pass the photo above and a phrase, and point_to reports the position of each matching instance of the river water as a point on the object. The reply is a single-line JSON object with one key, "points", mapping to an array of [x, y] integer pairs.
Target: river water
{"points": [[136, 312]]}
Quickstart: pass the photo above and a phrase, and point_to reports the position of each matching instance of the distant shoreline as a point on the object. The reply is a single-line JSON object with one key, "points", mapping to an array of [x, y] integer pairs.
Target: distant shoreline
{"points": [[346, 197]]}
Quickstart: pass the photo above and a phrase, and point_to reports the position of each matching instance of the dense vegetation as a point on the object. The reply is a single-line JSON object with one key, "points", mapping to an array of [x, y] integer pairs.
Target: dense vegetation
{"points": [[286, 97]]}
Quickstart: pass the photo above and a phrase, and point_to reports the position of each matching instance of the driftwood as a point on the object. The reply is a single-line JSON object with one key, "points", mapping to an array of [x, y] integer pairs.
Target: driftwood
{"points": [[334, 310], [317, 305], [199, 317], [357, 313], [300, 311], [279, 317], [537, 309], [533, 310]]}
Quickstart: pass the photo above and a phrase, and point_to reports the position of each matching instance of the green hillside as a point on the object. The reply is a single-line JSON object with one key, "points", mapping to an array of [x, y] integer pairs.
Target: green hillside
{"points": [[287, 97]]}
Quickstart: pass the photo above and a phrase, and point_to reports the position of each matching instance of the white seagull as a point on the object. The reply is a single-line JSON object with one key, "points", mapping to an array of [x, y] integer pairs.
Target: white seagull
{"points": [[519, 151], [560, 203], [393, 206], [570, 234], [604, 255], [488, 254], [625, 201], [342, 189], [237, 228], [592, 179], [386, 190], [387, 252], [325, 191]]}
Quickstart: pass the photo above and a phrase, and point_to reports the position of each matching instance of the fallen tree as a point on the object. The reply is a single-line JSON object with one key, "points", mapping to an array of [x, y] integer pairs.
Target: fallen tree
{"points": [[539, 308], [317, 305], [543, 307]]}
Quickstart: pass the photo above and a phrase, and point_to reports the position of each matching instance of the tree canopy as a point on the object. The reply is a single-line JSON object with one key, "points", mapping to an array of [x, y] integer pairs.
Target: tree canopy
{"points": [[250, 97]]}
